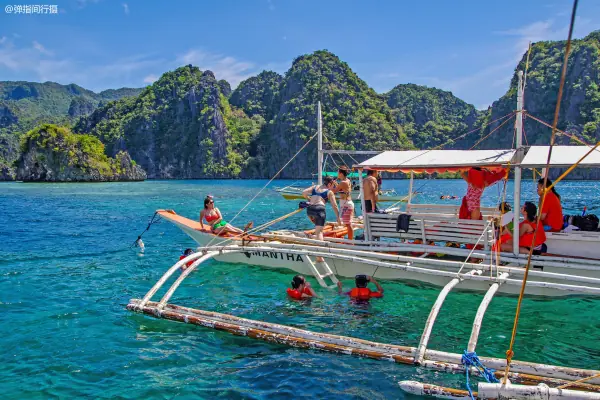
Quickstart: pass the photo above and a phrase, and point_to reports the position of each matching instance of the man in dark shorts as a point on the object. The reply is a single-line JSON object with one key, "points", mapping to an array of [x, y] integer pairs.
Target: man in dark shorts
{"points": [[371, 189]]}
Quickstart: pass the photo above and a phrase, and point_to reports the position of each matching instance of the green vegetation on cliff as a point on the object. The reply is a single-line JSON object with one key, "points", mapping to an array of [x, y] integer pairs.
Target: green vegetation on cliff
{"points": [[24, 105], [430, 116], [53, 153], [182, 126], [257, 95], [354, 116], [580, 106], [189, 125]]}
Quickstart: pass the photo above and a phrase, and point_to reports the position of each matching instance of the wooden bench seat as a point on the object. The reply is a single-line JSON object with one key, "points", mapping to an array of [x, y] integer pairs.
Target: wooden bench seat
{"points": [[445, 209], [437, 228]]}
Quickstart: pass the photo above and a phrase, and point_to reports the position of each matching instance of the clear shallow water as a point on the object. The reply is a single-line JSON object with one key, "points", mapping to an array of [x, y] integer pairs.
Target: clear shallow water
{"points": [[66, 274]]}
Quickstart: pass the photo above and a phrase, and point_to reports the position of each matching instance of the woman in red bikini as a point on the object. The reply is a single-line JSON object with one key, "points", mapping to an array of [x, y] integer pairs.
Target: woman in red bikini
{"points": [[215, 220]]}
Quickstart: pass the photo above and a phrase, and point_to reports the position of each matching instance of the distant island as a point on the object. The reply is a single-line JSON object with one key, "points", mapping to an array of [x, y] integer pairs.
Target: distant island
{"points": [[190, 125]]}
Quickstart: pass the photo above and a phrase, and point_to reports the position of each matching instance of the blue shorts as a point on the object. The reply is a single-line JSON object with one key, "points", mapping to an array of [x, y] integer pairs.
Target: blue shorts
{"points": [[547, 228]]}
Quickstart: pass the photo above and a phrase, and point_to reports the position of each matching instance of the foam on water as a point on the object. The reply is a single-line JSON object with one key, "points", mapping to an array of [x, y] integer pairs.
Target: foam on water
{"points": [[67, 272]]}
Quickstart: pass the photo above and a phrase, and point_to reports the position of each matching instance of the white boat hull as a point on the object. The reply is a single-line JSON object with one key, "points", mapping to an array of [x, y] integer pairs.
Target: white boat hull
{"points": [[348, 269]]}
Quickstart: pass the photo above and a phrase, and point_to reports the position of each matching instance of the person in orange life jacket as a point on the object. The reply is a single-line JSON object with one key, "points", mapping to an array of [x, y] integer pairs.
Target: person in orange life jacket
{"points": [[551, 214], [527, 228], [300, 289], [361, 291], [186, 253]]}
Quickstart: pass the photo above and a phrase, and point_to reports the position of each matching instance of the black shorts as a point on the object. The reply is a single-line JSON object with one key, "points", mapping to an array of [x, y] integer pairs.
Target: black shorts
{"points": [[543, 249], [317, 214], [368, 206]]}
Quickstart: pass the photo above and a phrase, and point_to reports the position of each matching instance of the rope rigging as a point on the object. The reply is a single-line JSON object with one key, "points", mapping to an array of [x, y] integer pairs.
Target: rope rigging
{"points": [[510, 351], [470, 359], [138, 242], [266, 185]]}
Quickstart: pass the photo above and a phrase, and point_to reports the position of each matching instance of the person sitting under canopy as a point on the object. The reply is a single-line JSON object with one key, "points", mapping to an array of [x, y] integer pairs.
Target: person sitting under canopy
{"points": [[527, 230], [551, 214]]}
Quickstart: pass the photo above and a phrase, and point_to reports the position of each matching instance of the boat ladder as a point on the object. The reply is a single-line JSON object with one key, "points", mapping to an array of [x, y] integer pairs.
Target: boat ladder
{"points": [[321, 276]]}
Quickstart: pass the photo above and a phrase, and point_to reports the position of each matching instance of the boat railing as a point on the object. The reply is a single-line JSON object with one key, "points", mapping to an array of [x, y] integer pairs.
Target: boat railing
{"points": [[430, 227]]}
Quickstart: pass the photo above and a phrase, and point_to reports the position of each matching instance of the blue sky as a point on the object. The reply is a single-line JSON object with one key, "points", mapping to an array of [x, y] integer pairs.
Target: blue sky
{"points": [[468, 47]]}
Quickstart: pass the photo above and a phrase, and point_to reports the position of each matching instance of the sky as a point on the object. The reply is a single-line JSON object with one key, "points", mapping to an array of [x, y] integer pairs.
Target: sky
{"points": [[468, 47]]}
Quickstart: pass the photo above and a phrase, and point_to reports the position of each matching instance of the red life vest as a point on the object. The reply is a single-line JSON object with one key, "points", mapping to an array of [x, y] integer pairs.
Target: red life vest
{"points": [[295, 294], [363, 293], [483, 178], [526, 239], [189, 263]]}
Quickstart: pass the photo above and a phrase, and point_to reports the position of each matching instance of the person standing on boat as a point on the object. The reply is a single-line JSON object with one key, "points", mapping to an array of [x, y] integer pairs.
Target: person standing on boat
{"points": [[317, 196], [215, 220], [300, 289], [344, 189], [361, 292], [371, 189], [477, 180], [551, 214]]}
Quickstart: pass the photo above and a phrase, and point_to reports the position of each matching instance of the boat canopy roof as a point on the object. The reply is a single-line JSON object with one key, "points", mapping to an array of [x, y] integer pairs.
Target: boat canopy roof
{"points": [[350, 175], [430, 161], [562, 156]]}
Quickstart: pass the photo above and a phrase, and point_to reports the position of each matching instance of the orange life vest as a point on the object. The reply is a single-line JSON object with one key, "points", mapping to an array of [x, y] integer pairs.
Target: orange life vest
{"points": [[189, 263], [363, 293], [295, 294], [526, 239]]}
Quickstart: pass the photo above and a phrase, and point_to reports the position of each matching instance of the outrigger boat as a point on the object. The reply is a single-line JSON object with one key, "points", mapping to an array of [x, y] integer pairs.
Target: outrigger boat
{"points": [[573, 267]]}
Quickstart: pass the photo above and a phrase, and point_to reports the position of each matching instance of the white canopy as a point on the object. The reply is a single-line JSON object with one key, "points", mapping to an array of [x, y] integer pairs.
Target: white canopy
{"points": [[437, 160], [562, 156]]}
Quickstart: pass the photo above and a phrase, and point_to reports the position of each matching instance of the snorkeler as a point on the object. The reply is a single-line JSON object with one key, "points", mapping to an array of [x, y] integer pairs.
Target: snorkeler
{"points": [[361, 291], [300, 289]]}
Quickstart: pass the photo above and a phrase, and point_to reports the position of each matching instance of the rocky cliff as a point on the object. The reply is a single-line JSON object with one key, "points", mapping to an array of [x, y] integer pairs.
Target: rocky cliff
{"points": [[258, 95], [55, 154], [182, 127], [580, 106], [354, 117], [189, 125], [430, 116], [24, 105]]}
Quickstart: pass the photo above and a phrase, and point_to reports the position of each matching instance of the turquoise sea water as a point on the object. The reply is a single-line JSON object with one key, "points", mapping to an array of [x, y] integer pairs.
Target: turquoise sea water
{"points": [[67, 273]]}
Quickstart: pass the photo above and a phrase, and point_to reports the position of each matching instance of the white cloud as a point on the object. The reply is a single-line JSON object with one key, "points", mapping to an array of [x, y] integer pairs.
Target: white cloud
{"points": [[38, 46], [126, 8], [225, 67], [43, 65], [37, 63], [547, 30], [150, 78]]}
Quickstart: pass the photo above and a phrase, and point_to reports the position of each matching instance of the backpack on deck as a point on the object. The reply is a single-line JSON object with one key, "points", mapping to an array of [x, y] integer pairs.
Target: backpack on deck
{"points": [[588, 222]]}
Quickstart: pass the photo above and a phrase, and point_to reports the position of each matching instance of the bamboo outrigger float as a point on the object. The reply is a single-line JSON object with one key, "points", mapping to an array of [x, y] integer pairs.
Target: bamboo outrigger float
{"points": [[522, 372]]}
